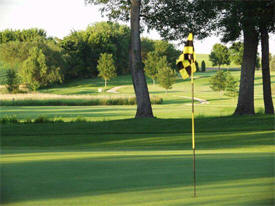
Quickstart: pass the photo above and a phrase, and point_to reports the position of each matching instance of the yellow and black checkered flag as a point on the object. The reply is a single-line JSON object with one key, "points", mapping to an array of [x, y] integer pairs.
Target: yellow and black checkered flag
{"points": [[186, 61]]}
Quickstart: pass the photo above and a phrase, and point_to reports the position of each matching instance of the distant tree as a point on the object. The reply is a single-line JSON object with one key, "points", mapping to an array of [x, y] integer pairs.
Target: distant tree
{"points": [[39, 63], [37, 72], [236, 53], [218, 81], [106, 67], [12, 81], [151, 65], [231, 88], [203, 67], [166, 77], [219, 55], [22, 35], [197, 66], [147, 45]]}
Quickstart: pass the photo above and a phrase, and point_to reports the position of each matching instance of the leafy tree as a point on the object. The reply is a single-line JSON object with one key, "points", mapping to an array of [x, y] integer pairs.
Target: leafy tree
{"points": [[106, 67], [166, 77], [218, 81], [22, 35], [236, 52], [151, 65], [39, 63], [131, 10], [36, 72], [219, 55], [12, 81], [82, 49], [232, 19], [203, 67], [147, 45], [231, 89]]}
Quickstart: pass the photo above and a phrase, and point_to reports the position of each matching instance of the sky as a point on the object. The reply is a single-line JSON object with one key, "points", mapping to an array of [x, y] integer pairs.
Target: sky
{"points": [[59, 17]]}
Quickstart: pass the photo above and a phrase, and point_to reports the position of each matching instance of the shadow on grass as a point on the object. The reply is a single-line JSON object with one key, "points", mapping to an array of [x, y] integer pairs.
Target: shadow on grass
{"points": [[45, 180]]}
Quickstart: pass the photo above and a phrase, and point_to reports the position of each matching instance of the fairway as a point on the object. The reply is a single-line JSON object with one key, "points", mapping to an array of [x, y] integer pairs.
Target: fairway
{"points": [[115, 160], [76, 164]]}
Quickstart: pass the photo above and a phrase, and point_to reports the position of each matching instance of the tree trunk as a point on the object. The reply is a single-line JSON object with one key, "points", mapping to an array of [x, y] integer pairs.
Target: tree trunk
{"points": [[268, 104], [144, 108], [246, 91], [105, 82]]}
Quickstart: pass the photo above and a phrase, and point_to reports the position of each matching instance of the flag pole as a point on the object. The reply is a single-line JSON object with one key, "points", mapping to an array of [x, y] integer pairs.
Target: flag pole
{"points": [[193, 134]]}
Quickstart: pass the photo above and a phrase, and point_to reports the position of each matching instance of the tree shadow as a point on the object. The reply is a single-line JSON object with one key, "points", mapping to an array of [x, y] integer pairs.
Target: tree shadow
{"points": [[43, 180]]}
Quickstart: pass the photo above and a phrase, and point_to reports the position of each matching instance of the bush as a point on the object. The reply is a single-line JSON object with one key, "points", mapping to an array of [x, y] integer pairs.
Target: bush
{"points": [[218, 81], [9, 119], [12, 82], [203, 66], [166, 77], [224, 81], [42, 119]]}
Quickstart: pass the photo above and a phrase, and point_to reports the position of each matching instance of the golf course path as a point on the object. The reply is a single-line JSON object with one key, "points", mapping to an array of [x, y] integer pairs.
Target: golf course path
{"points": [[114, 89], [202, 101]]}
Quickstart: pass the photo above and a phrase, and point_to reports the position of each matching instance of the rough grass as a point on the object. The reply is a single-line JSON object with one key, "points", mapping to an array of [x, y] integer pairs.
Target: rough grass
{"points": [[41, 99]]}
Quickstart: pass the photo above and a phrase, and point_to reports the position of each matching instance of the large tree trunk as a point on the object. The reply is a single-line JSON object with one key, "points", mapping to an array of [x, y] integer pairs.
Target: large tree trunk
{"points": [[268, 104], [246, 91], [144, 108]]}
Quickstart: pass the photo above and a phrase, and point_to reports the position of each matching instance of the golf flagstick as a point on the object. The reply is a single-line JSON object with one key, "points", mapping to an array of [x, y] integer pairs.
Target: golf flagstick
{"points": [[193, 134]]}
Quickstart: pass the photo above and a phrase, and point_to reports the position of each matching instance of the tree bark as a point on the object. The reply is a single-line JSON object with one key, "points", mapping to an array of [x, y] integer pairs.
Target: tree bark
{"points": [[246, 90], [144, 108], [268, 104]]}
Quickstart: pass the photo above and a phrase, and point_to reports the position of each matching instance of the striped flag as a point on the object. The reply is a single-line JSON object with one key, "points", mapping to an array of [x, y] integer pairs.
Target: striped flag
{"points": [[186, 61]]}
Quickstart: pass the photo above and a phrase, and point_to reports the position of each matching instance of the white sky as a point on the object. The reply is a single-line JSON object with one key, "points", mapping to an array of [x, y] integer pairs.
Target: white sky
{"points": [[60, 17]]}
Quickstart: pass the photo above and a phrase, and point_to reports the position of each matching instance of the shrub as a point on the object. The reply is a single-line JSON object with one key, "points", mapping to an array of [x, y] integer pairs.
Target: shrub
{"points": [[42, 119], [166, 77], [12, 82], [231, 89], [80, 119], [9, 119], [218, 81], [203, 66]]}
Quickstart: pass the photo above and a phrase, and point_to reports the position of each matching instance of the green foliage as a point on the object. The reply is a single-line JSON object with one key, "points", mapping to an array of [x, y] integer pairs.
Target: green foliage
{"points": [[160, 48], [218, 81], [203, 66], [106, 67], [82, 49], [219, 55], [236, 53], [224, 81], [12, 81], [36, 72], [231, 89], [38, 63], [166, 77], [9, 119], [22, 35], [152, 64]]}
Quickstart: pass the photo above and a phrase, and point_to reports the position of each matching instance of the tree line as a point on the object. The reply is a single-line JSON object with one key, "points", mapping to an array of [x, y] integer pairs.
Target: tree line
{"points": [[41, 61], [174, 19]]}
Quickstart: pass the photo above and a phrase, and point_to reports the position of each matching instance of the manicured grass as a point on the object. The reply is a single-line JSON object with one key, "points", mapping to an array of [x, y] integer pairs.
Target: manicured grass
{"points": [[175, 104], [129, 162], [116, 160]]}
